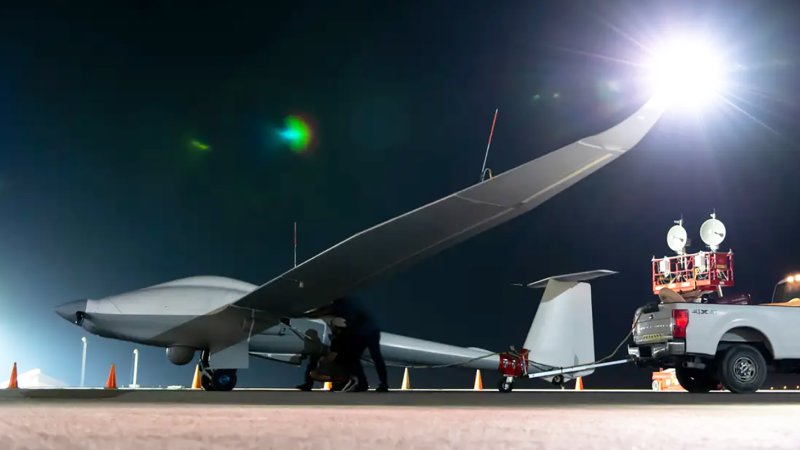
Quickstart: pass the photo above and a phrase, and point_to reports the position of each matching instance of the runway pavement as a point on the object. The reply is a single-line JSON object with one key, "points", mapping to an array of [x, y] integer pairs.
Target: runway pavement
{"points": [[260, 419], [433, 398]]}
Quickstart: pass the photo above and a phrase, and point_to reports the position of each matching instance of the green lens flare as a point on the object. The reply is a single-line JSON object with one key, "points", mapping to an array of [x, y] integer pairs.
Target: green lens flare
{"points": [[297, 134], [197, 145]]}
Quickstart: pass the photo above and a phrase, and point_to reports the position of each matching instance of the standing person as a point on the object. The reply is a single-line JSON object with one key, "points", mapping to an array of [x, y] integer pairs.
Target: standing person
{"points": [[360, 332]]}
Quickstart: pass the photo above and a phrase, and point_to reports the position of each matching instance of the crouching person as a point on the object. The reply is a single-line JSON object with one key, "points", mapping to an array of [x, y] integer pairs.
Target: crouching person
{"points": [[338, 366]]}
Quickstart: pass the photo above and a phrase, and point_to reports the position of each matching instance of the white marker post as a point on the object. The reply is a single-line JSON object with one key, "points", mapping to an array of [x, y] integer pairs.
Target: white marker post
{"points": [[135, 367], [83, 362]]}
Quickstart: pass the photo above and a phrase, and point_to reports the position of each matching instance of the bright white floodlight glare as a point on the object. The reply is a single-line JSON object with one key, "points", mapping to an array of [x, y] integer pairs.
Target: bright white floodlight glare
{"points": [[686, 71]]}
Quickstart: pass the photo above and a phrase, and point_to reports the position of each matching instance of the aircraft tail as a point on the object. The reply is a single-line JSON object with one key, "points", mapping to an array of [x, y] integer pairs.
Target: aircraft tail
{"points": [[562, 332]]}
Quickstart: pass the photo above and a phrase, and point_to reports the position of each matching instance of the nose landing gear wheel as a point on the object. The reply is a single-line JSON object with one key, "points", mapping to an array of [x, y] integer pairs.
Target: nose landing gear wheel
{"points": [[559, 381], [505, 386]]}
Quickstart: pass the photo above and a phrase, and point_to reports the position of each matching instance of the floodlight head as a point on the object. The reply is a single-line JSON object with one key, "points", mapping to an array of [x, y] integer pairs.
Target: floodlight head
{"points": [[712, 232], [677, 239], [686, 71]]}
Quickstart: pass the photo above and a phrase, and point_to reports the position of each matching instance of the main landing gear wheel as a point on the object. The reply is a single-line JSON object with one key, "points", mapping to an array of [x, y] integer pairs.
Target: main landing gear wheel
{"points": [[505, 385], [216, 379], [559, 381]]}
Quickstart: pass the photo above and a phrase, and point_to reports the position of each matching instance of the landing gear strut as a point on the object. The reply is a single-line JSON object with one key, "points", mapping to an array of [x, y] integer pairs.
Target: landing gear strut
{"points": [[215, 379]]}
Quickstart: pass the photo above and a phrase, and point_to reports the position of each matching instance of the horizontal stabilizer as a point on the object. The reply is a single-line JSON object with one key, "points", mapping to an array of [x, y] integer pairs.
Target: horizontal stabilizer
{"points": [[406, 351], [576, 277]]}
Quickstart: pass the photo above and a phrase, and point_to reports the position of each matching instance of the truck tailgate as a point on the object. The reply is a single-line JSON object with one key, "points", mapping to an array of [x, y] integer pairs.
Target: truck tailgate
{"points": [[653, 326]]}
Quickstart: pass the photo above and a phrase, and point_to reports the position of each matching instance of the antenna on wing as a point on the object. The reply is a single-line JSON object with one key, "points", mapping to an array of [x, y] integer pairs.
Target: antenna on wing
{"points": [[295, 243], [485, 169]]}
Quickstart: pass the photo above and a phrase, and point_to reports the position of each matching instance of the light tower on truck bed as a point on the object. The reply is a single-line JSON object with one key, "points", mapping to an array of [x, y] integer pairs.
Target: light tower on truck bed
{"points": [[695, 275]]}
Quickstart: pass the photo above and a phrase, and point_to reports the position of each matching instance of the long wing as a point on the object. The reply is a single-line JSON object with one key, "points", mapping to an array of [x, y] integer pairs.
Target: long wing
{"points": [[436, 226]]}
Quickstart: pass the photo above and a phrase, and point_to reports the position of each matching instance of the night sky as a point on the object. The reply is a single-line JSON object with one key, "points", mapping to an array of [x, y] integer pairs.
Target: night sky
{"points": [[102, 191]]}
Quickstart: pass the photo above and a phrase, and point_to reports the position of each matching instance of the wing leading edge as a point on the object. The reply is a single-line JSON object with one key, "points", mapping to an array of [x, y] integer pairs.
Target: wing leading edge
{"points": [[443, 223], [414, 235]]}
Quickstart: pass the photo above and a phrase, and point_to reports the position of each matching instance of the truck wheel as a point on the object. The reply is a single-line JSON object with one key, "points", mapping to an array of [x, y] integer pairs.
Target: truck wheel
{"points": [[743, 369], [695, 380], [656, 385]]}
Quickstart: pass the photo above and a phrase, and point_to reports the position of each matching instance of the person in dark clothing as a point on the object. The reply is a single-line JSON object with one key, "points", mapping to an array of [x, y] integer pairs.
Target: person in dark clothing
{"points": [[338, 364], [360, 332], [372, 342], [308, 384], [313, 348]]}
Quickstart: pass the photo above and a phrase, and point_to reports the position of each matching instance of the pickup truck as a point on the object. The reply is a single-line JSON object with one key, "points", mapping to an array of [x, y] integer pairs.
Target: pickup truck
{"points": [[711, 344]]}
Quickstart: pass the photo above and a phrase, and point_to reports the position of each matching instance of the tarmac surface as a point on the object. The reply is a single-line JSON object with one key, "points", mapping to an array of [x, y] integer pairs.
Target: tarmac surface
{"points": [[258, 419]]}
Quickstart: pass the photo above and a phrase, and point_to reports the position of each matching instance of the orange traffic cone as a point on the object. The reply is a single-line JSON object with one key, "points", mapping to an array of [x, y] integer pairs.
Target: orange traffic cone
{"points": [[579, 384], [112, 378], [327, 386], [196, 380], [12, 383], [478, 381], [406, 381]]}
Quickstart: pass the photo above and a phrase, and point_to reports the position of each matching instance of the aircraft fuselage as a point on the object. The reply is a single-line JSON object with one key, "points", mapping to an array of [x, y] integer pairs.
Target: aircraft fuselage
{"points": [[158, 316]]}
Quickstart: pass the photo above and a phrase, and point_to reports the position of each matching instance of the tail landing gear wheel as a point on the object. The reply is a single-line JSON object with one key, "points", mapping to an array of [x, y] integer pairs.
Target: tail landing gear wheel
{"points": [[505, 385]]}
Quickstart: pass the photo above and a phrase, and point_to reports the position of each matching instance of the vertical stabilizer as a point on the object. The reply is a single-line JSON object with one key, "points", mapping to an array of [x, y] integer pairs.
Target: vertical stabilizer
{"points": [[562, 332]]}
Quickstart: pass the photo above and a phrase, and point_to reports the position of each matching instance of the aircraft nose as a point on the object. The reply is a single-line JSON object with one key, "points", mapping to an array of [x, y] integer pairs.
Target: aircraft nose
{"points": [[73, 311]]}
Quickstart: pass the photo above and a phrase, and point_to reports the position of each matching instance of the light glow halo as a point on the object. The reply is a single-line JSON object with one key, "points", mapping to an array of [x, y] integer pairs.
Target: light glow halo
{"points": [[686, 71]]}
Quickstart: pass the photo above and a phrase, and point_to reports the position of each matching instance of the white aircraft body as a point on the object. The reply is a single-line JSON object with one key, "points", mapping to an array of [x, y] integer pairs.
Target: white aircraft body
{"points": [[228, 320]]}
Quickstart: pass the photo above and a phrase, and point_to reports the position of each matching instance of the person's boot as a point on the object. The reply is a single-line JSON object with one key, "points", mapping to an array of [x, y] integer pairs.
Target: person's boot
{"points": [[383, 387]]}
